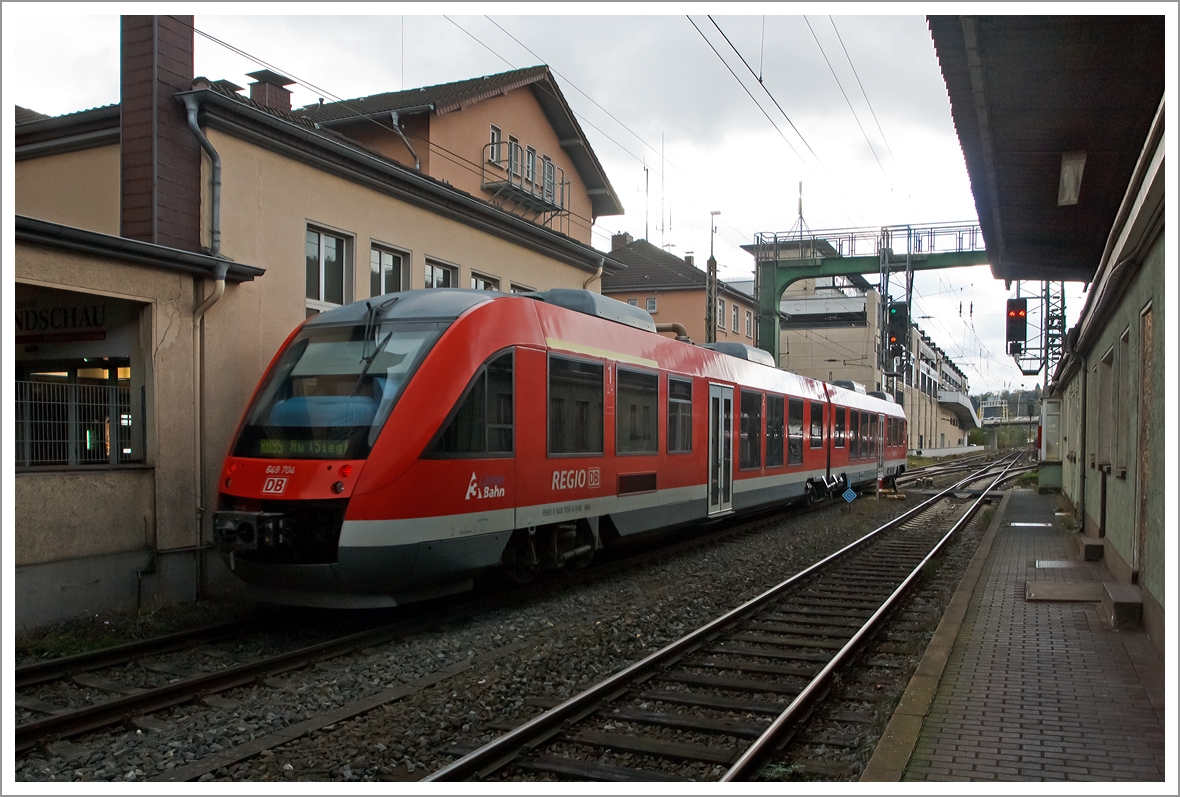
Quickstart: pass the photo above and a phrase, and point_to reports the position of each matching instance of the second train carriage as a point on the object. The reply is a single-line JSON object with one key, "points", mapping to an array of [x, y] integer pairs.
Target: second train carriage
{"points": [[398, 446]]}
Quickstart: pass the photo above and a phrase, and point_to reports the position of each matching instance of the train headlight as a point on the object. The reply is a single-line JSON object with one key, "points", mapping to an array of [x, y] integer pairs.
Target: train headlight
{"points": [[338, 488]]}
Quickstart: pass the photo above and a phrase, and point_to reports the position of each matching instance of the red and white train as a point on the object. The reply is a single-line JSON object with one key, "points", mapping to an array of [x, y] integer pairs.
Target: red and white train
{"points": [[398, 446]]}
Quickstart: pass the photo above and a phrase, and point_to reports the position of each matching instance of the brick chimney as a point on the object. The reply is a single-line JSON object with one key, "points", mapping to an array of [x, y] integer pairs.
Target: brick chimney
{"points": [[619, 240], [689, 259], [161, 160], [269, 90]]}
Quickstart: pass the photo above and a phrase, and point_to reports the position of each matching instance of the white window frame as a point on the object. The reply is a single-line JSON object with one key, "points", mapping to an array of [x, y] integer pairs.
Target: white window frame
{"points": [[651, 305], [633, 302], [487, 278], [720, 315], [530, 164], [319, 304], [497, 142], [736, 318], [749, 324], [548, 179], [516, 287], [441, 265], [513, 158], [403, 271]]}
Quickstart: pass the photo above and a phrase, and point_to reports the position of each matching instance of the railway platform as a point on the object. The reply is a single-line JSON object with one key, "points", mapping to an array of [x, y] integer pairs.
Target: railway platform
{"points": [[1026, 678]]}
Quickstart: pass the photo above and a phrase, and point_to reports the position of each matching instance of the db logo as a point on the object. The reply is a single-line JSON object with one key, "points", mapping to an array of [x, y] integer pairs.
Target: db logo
{"points": [[274, 485], [595, 477]]}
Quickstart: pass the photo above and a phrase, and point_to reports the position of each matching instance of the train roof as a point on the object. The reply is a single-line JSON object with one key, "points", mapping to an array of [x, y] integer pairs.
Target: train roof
{"points": [[421, 305]]}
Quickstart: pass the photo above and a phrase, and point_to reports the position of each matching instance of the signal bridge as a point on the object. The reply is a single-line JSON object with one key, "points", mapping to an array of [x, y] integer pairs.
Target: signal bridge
{"points": [[783, 258]]}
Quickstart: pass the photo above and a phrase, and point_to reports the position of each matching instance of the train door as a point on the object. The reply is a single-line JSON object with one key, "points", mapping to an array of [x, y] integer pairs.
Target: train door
{"points": [[880, 442], [720, 449]]}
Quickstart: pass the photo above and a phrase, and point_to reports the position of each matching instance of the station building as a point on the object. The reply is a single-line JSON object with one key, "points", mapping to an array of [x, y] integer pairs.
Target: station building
{"points": [[1061, 120], [167, 245]]}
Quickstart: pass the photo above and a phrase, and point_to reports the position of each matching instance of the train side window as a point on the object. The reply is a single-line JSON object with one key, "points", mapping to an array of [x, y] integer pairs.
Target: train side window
{"points": [[838, 423], [679, 416], [750, 455], [872, 435], [575, 406], [774, 431], [482, 422], [794, 431], [636, 416], [817, 425], [864, 435], [853, 434]]}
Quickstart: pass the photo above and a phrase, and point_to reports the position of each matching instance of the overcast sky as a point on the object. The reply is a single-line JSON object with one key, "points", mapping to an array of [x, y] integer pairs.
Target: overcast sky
{"points": [[872, 144]]}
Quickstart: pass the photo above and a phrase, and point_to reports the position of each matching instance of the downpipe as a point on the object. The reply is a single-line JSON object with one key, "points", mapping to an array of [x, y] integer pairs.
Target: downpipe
{"points": [[596, 275]]}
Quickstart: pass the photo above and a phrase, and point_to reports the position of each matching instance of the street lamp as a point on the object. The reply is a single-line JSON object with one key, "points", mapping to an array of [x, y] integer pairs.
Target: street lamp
{"points": [[711, 284]]}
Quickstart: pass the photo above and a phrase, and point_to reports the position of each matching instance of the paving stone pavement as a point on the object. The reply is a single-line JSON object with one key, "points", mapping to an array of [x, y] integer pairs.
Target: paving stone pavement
{"points": [[1037, 690]]}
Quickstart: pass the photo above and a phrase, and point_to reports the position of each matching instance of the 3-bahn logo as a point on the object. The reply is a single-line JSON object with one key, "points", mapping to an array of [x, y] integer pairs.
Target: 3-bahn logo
{"points": [[274, 485], [576, 479], [487, 487]]}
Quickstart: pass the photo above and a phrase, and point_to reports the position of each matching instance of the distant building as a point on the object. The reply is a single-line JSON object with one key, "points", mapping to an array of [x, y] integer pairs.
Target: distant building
{"points": [[673, 290], [831, 330]]}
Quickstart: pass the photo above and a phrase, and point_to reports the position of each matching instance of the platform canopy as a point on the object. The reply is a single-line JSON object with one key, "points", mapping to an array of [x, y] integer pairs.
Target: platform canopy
{"points": [[1029, 96]]}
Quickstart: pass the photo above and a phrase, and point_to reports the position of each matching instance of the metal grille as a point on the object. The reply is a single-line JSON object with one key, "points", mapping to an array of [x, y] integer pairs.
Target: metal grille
{"points": [[59, 423]]}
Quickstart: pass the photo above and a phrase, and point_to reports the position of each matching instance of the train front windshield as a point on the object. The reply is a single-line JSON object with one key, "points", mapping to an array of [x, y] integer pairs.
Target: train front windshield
{"points": [[330, 392]]}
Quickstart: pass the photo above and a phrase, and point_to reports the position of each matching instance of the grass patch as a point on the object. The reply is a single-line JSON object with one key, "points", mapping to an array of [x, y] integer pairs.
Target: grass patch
{"points": [[918, 462], [94, 632], [1027, 479]]}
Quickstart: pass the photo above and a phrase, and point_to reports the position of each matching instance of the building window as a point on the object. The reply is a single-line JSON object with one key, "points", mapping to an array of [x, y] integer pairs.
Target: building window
{"points": [[635, 412], [1105, 409], [385, 271], [482, 282], [494, 151], [679, 416], [749, 324], [750, 453], [575, 406], [530, 164], [514, 155], [736, 313], [516, 287], [328, 284], [549, 175], [774, 431], [651, 305], [80, 395], [633, 302], [440, 276], [482, 423], [1122, 410], [720, 315]]}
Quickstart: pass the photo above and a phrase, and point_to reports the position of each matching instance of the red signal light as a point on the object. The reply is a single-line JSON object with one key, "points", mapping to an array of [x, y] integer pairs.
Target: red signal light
{"points": [[345, 471]]}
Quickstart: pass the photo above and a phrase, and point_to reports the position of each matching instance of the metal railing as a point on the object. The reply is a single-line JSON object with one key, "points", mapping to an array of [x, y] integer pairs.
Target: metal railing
{"points": [[868, 241], [544, 191], [72, 424]]}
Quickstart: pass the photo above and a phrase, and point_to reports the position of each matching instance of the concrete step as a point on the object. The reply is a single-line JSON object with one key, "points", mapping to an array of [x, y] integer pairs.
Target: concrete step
{"points": [[1122, 604], [1091, 549]]}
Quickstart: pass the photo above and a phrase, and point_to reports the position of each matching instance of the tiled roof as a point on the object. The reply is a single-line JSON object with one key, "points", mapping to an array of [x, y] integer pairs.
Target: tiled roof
{"points": [[444, 97], [28, 115], [650, 267]]}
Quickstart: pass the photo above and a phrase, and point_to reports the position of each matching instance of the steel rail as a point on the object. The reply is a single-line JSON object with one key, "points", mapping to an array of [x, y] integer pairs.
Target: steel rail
{"points": [[751, 761], [56, 669], [117, 709], [536, 731]]}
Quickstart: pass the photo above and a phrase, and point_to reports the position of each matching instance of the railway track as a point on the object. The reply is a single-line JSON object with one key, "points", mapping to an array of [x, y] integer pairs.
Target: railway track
{"points": [[119, 697], [722, 701]]}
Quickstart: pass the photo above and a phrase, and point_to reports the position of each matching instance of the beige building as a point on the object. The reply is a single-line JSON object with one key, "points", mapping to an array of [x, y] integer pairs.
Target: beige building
{"points": [[833, 332], [166, 247], [673, 290]]}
